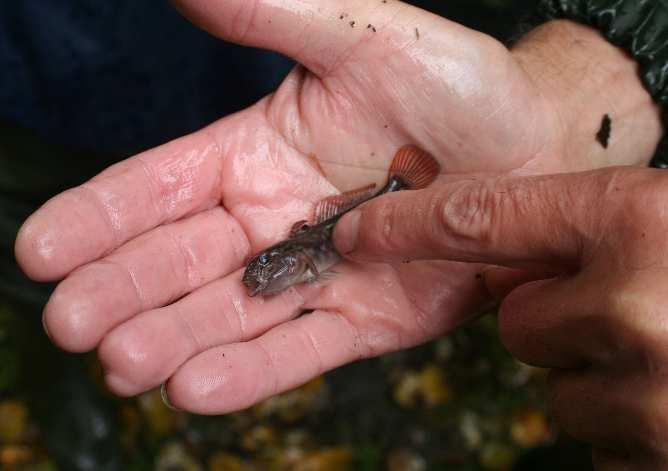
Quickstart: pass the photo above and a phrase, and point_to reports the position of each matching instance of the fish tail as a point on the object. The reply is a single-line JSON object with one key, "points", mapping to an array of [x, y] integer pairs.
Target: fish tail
{"points": [[415, 168]]}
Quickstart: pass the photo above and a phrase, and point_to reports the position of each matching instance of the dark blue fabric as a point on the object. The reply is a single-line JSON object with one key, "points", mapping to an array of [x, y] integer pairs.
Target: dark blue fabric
{"points": [[115, 77]]}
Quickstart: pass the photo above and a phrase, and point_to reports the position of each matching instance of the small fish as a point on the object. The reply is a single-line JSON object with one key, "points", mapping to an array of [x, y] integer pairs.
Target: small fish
{"points": [[309, 251]]}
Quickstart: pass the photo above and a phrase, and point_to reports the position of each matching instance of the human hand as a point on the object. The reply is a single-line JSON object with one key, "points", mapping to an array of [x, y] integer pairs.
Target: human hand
{"points": [[583, 289], [150, 251]]}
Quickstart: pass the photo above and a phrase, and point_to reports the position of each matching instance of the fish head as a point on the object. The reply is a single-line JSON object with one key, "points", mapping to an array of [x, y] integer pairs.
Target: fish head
{"points": [[272, 271]]}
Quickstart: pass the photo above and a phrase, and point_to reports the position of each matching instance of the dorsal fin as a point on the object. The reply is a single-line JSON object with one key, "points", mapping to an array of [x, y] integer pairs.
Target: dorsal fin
{"points": [[416, 168], [337, 204]]}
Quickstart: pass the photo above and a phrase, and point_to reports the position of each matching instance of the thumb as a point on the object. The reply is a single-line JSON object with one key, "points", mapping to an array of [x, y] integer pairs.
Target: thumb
{"points": [[322, 34], [524, 222]]}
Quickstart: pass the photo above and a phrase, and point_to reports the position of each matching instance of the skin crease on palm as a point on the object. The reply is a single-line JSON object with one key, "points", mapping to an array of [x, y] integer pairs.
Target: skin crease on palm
{"points": [[150, 252]]}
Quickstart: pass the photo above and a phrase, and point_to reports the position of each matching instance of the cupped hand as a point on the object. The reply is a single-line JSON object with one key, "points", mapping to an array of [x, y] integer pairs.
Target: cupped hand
{"points": [[584, 288], [151, 250]]}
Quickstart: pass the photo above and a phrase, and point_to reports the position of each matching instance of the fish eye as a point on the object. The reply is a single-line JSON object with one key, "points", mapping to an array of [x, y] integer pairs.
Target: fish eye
{"points": [[263, 259]]}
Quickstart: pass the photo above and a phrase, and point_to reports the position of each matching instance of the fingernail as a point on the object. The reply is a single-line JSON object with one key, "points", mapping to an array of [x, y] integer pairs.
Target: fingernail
{"points": [[165, 398], [345, 234]]}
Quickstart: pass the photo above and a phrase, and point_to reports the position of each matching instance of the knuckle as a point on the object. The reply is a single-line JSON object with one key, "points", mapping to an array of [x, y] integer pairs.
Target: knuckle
{"points": [[652, 417], [468, 213], [633, 322]]}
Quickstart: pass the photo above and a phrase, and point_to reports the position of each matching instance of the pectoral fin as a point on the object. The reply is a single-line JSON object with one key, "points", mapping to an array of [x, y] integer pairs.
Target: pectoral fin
{"points": [[299, 226], [313, 270], [327, 276]]}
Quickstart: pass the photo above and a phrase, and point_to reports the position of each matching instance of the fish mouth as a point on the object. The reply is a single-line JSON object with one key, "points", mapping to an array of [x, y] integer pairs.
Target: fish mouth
{"points": [[254, 287], [255, 291]]}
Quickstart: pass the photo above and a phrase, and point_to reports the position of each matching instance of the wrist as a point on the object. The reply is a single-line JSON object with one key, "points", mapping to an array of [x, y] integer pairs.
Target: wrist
{"points": [[582, 78]]}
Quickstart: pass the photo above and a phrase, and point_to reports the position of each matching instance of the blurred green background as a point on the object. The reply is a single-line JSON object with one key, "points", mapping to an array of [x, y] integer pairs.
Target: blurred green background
{"points": [[460, 403]]}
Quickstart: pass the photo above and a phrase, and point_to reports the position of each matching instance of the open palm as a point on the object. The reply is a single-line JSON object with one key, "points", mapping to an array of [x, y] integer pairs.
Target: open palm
{"points": [[150, 252]]}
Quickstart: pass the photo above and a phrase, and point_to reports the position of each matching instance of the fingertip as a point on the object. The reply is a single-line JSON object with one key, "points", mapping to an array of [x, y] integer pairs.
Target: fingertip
{"points": [[198, 13], [35, 250], [46, 329], [120, 386], [128, 361], [68, 322], [514, 326], [346, 232], [218, 381], [196, 393]]}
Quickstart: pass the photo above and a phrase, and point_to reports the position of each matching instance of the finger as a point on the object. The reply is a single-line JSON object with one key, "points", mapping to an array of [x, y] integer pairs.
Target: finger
{"points": [[521, 222], [542, 324], [143, 352], [622, 414], [583, 402], [319, 34], [147, 272], [131, 197], [235, 376]]}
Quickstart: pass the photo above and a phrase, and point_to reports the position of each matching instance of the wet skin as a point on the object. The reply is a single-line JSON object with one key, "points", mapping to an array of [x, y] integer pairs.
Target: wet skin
{"points": [[149, 253]]}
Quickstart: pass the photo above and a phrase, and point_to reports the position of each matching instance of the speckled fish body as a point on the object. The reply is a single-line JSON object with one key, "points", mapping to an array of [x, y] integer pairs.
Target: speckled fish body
{"points": [[309, 250]]}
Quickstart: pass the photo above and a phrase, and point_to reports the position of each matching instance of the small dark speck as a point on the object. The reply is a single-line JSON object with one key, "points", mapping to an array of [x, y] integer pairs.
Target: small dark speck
{"points": [[478, 276], [372, 154], [223, 354], [406, 261], [373, 28], [417, 33], [384, 1], [643, 235], [386, 126], [603, 134], [352, 24], [342, 16]]}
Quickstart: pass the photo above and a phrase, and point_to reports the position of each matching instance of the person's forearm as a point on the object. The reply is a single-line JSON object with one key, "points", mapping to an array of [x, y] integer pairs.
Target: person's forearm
{"points": [[584, 78]]}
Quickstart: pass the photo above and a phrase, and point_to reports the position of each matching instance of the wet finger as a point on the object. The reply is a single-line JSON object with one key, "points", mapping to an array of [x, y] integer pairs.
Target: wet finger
{"points": [[590, 406], [129, 198], [317, 33], [541, 323], [235, 376], [144, 351], [148, 272]]}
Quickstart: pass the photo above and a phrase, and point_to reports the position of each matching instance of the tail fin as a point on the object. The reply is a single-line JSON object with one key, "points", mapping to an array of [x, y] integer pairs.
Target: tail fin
{"points": [[416, 168]]}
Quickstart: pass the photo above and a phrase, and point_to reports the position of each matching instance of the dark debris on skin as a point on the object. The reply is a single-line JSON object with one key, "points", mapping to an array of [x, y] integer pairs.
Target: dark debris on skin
{"points": [[603, 134]]}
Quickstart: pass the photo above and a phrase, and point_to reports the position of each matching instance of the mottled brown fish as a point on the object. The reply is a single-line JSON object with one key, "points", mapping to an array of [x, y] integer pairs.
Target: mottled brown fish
{"points": [[309, 251]]}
